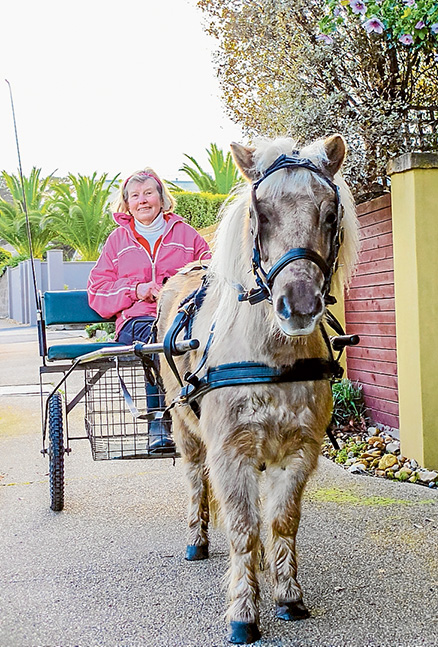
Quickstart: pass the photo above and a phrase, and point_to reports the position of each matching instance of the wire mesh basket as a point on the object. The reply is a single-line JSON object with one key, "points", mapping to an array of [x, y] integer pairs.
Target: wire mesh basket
{"points": [[113, 431]]}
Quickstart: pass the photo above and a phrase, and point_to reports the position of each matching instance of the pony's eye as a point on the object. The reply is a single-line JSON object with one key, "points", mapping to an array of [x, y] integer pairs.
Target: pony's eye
{"points": [[263, 219], [330, 218]]}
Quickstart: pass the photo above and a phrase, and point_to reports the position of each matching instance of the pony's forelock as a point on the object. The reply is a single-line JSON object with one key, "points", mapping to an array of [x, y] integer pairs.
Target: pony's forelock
{"points": [[233, 245]]}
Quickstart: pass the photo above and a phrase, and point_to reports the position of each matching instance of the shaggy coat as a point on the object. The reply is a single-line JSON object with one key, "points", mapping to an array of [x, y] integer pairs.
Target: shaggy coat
{"points": [[277, 428]]}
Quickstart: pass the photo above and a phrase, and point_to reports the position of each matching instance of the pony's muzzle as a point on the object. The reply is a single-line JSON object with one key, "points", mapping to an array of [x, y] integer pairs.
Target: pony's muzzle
{"points": [[299, 308]]}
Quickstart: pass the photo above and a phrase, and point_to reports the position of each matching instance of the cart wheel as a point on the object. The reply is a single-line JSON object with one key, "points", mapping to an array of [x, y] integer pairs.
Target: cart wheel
{"points": [[56, 453]]}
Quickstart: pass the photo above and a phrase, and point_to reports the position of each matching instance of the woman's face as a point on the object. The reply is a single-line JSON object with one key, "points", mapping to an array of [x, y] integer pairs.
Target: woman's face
{"points": [[144, 201]]}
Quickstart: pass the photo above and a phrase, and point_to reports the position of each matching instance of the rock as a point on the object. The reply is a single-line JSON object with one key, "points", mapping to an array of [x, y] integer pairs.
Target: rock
{"points": [[357, 468], [426, 476], [393, 447], [375, 440], [373, 431], [380, 472], [413, 464], [388, 460], [362, 461], [370, 455]]}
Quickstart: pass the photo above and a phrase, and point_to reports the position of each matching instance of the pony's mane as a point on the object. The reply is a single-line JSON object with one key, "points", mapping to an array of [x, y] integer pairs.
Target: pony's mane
{"points": [[231, 262]]}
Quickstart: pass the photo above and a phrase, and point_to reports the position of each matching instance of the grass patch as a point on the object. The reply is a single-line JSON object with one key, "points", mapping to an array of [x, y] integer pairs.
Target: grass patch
{"points": [[335, 495]]}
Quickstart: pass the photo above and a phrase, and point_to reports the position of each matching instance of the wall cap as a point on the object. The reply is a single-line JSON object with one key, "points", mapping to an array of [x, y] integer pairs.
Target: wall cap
{"points": [[410, 161]]}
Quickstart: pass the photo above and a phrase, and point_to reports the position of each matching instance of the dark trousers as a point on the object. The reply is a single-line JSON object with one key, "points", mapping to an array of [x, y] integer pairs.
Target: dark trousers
{"points": [[139, 329]]}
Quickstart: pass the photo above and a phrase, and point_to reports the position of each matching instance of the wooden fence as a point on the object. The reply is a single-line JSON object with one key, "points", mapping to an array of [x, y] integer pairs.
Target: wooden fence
{"points": [[370, 312]]}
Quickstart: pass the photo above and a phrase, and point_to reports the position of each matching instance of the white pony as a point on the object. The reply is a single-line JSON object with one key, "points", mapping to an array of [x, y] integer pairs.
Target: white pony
{"points": [[285, 237]]}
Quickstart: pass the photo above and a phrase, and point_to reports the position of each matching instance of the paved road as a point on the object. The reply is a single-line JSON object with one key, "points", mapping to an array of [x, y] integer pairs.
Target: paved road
{"points": [[109, 571]]}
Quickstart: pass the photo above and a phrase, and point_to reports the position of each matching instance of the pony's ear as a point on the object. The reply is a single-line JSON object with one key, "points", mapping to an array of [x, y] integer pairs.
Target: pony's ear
{"points": [[243, 156], [335, 149]]}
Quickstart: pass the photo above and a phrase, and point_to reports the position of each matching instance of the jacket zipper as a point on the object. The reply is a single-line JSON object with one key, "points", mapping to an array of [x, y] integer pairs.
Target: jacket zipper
{"points": [[152, 260]]}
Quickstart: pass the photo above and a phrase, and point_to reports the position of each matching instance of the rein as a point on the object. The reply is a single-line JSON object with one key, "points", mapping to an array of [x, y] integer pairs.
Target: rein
{"points": [[265, 280]]}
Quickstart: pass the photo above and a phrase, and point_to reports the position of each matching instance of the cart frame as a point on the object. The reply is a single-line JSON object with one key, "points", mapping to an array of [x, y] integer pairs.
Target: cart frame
{"points": [[124, 433]]}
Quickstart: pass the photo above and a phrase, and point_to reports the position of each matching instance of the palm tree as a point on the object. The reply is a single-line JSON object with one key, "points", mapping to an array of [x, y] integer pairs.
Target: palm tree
{"points": [[13, 226], [80, 213], [225, 173]]}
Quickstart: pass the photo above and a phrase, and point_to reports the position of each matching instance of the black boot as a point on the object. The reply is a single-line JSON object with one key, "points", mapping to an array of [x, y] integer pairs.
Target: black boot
{"points": [[160, 436], [160, 430]]}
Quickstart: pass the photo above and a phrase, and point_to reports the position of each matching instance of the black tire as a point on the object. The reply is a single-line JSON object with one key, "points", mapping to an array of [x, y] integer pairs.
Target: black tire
{"points": [[56, 453]]}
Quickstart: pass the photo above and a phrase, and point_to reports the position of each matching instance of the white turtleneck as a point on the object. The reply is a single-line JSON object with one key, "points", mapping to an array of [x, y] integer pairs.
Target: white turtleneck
{"points": [[153, 231]]}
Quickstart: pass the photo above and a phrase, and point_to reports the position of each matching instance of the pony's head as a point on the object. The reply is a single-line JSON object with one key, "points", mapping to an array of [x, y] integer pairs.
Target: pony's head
{"points": [[296, 227]]}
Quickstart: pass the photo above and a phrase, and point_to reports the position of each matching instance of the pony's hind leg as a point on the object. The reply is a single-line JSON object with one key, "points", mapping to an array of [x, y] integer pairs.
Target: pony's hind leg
{"points": [[193, 456], [235, 484], [285, 486]]}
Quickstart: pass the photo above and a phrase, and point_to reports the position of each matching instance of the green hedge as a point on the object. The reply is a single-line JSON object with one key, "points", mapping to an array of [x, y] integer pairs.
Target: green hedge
{"points": [[199, 209], [5, 258]]}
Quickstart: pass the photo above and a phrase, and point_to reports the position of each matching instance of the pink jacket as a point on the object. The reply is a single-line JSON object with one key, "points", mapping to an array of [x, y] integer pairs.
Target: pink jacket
{"points": [[124, 263]]}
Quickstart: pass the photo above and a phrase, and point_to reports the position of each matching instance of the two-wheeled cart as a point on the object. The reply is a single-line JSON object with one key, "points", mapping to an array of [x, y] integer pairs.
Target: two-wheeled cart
{"points": [[117, 418]]}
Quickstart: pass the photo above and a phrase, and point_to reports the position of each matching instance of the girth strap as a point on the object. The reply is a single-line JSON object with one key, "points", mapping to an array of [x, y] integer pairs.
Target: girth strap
{"points": [[235, 374]]}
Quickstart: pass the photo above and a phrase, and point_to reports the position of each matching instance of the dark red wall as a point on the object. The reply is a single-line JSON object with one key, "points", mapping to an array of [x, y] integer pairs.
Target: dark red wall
{"points": [[370, 313]]}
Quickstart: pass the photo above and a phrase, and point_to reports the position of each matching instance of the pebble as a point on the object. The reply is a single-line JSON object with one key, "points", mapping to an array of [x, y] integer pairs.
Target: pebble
{"points": [[393, 447], [357, 468], [426, 476], [387, 460], [377, 453]]}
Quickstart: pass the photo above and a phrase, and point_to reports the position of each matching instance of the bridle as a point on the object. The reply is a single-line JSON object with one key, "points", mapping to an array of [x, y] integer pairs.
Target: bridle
{"points": [[265, 279]]}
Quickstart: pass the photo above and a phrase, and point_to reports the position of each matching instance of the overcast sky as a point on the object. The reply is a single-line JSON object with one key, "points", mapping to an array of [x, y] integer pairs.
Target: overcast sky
{"points": [[108, 86]]}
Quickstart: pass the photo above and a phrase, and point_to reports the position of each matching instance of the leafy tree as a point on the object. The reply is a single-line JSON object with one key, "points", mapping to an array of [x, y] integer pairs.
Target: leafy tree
{"points": [[80, 213], [308, 68], [13, 226], [225, 172]]}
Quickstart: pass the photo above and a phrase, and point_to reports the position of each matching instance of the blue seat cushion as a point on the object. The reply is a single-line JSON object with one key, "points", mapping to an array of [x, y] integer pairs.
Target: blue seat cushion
{"points": [[72, 351]]}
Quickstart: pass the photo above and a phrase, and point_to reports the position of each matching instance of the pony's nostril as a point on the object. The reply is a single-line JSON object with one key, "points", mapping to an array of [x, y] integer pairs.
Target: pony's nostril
{"points": [[283, 308], [300, 305], [319, 307]]}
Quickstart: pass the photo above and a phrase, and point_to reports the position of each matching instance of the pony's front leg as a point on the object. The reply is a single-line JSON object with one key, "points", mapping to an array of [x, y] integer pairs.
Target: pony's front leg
{"points": [[193, 456], [285, 485], [235, 483]]}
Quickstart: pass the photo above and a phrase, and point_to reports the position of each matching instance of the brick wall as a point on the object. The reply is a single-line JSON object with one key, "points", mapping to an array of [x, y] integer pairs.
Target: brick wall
{"points": [[370, 313]]}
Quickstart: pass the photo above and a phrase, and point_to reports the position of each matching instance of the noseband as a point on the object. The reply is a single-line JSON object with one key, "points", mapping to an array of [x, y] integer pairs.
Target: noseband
{"points": [[265, 280]]}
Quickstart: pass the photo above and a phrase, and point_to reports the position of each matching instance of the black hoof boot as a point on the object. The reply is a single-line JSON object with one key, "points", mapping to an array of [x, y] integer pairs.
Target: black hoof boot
{"points": [[291, 610], [195, 553], [242, 633]]}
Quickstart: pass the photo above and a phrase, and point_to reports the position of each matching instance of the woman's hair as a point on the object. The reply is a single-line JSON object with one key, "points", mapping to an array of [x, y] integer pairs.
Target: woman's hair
{"points": [[120, 204]]}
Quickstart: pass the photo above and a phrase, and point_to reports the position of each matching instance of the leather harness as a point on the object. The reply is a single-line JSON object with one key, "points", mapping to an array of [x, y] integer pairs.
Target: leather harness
{"points": [[234, 374]]}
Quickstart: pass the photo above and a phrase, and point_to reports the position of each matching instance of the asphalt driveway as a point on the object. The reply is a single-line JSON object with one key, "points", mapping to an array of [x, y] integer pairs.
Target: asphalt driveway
{"points": [[109, 570]]}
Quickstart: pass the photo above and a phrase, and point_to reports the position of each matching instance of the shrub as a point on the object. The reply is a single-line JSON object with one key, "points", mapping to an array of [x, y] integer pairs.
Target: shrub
{"points": [[7, 260], [199, 209], [348, 404], [107, 327]]}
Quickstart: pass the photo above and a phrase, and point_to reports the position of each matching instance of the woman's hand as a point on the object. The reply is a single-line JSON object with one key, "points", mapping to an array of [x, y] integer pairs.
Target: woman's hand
{"points": [[147, 291]]}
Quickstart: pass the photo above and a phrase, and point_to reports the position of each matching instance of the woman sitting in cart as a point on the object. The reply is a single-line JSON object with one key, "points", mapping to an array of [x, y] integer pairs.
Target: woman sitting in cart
{"points": [[150, 244]]}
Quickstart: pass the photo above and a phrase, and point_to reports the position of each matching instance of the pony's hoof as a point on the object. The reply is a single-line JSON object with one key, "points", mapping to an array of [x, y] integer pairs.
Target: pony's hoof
{"points": [[291, 610], [243, 632], [195, 553]]}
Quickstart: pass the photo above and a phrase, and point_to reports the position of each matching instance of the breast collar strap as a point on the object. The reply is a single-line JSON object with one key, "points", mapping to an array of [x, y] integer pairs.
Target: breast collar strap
{"points": [[265, 280]]}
